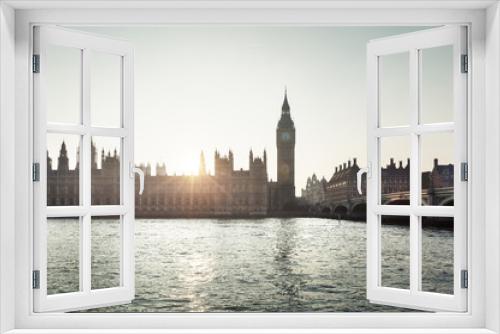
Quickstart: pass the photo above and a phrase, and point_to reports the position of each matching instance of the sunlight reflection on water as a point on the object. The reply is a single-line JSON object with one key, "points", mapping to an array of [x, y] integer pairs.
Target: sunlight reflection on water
{"points": [[264, 265]]}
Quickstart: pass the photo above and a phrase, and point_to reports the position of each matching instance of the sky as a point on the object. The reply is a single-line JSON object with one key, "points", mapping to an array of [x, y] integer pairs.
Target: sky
{"points": [[202, 88]]}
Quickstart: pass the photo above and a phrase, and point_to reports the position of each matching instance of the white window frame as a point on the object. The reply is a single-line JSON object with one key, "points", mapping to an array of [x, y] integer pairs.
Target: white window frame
{"points": [[85, 297], [412, 44], [483, 18]]}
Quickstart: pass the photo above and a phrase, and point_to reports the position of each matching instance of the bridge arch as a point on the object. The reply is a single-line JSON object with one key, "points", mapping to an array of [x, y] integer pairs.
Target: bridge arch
{"points": [[358, 212], [340, 211]]}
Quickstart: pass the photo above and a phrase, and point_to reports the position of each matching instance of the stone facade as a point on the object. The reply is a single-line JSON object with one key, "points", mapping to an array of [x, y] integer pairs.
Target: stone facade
{"points": [[227, 193], [395, 178], [343, 184]]}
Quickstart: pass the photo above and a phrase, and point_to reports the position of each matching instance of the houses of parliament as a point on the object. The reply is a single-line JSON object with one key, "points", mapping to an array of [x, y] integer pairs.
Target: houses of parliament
{"points": [[226, 193]]}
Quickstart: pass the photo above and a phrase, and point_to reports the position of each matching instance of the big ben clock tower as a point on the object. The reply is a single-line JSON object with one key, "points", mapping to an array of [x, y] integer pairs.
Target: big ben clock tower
{"points": [[285, 143]]}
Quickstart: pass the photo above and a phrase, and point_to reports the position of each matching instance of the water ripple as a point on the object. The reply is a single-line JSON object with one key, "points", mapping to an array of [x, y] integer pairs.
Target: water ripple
{"points": [[265, 265]]}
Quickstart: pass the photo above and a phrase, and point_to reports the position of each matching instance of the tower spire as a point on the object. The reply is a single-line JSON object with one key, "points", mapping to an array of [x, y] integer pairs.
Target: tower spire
{"points": [[62, 160], [286, 107], [285, 142], [63, 150]]}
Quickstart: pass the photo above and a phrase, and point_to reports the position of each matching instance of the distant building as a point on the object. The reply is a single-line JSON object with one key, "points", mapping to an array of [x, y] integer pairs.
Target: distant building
{"points": [[226, 193], [63, 183], [441, 176], [437, 188], [282, 192], [339, 195], [394, 178], [315, 191], [240, 193]]}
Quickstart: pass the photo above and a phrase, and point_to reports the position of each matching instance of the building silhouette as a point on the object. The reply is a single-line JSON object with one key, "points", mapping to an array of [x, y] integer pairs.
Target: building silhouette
{"points": [[244, 192], [63, 183], [282, 192], [226, 193], [339, 196]]}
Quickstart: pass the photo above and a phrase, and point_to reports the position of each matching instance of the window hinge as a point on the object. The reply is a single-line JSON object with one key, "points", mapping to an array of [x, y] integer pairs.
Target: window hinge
{"points": [[36, 279], [36, 63], [36, 172], [464, 279], [464, 171], [465, 64]]}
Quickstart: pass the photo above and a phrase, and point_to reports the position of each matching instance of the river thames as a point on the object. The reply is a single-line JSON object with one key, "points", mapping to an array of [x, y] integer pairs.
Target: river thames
{"points": [[261, 265]]}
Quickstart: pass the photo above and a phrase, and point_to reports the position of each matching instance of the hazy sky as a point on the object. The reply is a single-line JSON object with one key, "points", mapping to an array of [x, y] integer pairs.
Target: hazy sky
{"points": [[207, 88]]}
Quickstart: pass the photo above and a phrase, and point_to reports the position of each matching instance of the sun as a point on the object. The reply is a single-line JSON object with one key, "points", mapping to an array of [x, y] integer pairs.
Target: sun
{"points": [[187, 163]]}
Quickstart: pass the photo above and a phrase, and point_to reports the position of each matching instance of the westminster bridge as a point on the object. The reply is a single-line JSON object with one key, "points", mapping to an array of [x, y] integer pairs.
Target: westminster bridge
{"points": [[355, 207], [338, 197]]}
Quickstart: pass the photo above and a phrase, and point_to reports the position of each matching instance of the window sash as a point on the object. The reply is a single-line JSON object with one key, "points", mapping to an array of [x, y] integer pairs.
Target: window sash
{"points": [[86, 297], [413, 297]]}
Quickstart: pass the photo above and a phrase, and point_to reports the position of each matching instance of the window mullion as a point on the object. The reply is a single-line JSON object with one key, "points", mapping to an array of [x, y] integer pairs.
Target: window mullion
{"points": [[414, 172], [85, 241]]}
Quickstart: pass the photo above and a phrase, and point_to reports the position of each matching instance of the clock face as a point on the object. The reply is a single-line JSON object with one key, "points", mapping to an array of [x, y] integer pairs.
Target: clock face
{"points": [[285, 136]]}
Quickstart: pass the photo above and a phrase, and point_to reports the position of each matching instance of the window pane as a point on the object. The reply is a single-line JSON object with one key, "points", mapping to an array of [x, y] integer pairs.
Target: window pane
{"points": [[63, 255], [395, 170], [437, 254], [106, 163], [394, 90], [106, 90], [63, 171], [395, 251], [106, 252], [437, 169], [64, 84], [436, 95]]}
